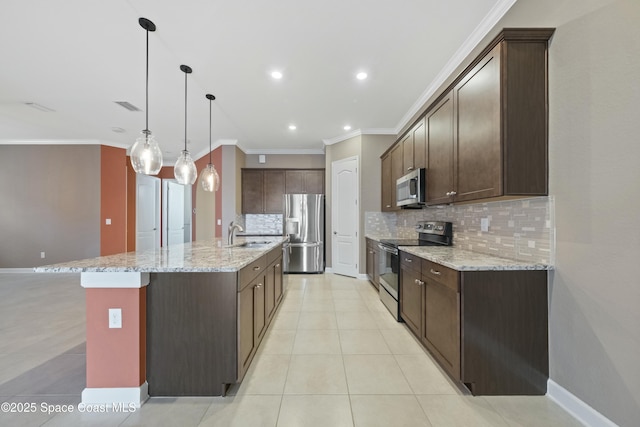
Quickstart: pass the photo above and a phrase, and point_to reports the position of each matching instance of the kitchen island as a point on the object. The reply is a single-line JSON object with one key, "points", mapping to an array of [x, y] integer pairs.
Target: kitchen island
{"points": [[185, 320]]}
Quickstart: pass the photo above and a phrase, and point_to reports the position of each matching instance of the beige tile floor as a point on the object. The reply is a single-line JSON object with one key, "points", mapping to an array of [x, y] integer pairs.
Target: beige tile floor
{"points": [[333, 356]]}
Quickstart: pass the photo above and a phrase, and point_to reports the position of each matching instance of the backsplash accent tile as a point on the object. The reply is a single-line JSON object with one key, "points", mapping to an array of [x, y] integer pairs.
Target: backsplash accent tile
{"points": [[262, 224], [522, 229]]}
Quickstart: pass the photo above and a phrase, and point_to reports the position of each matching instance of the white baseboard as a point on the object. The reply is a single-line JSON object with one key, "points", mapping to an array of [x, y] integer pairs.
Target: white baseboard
{"points": [[108, 396], [16, 270], [362, 277], [576, 407], [328, 270]]}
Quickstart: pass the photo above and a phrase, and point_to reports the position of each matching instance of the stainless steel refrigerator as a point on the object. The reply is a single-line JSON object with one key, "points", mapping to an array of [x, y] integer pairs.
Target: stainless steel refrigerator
{"points": [[303, 223]]}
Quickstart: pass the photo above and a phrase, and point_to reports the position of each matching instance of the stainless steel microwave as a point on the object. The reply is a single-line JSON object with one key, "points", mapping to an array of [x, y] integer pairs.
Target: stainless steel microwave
{"points": [[411, 189]]}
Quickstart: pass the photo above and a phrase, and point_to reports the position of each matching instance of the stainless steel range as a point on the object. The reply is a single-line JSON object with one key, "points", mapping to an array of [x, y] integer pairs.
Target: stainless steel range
{"points": [[430, 233]]}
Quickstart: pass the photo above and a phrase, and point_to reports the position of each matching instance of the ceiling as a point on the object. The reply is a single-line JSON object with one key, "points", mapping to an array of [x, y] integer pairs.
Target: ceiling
{"points": [[77, 57]]}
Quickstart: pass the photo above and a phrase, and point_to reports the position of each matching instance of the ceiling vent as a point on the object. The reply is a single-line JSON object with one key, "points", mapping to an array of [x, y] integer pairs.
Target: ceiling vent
{"points": [[39, 107], [127, 105]]}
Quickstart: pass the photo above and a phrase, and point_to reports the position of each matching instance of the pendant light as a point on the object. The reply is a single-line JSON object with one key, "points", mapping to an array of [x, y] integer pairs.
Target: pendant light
{"points": [[185, 170], [209, 177], [146, 156]]}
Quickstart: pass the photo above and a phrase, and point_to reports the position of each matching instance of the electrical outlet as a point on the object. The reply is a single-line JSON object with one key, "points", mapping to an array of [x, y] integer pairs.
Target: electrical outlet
{"points": [[219, 222], [42, 255], [108, 221], [484, 224], [115, 318]]}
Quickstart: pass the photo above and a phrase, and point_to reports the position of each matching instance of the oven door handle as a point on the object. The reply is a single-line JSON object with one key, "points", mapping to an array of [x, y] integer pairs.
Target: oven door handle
{"points": [[388, 249]]}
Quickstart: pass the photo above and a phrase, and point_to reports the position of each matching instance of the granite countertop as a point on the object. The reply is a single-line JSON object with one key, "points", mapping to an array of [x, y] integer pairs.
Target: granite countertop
{"points": [[463, 260], [199, 256]]}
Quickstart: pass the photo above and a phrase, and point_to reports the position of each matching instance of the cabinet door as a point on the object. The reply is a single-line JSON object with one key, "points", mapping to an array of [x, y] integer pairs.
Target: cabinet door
{"points": [[314, 182], [387, 197], [273, 191], [442, 324], [411, 299], [440, 140], [270, 291], [252, 191], [259, 318], [278, 291], [294, 182], [407, 152], [396, 172], [246, 335], [477, 105], [419, 145], [370, 261]]}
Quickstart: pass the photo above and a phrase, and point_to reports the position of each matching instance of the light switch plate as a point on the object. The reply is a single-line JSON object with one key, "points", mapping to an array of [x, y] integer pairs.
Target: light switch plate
{"points": [[115, 318], [219, 222], [108, 221], [484, 224]]}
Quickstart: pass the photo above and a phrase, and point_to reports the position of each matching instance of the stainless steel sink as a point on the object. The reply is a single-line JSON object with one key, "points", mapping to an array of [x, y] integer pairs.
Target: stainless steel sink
{"points": [[252, 244]]}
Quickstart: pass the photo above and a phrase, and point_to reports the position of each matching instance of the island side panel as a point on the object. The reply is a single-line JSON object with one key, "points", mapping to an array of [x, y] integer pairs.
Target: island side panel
{"points": [[191, 333]]}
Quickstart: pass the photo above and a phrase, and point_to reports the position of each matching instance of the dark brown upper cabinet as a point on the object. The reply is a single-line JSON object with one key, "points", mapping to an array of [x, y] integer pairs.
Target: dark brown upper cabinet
{"points": [[498, 109], [397, 171], [262, 191], [304, 181], [387, 193], [486, 135], [414, 147]]}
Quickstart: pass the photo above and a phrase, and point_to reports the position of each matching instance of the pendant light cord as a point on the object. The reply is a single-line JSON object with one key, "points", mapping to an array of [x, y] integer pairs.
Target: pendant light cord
{"points": [[185, 111], [210, 132], [146, 108]]}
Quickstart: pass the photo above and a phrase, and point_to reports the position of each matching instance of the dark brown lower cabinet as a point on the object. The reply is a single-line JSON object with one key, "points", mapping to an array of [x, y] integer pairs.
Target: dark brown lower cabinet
{"points": [[203, 329], [487, 329]]}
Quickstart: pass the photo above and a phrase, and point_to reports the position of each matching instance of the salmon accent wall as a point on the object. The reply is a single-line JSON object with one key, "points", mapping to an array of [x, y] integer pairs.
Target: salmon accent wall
{"points": [[116, 357], [131, 207], [113, 200]]}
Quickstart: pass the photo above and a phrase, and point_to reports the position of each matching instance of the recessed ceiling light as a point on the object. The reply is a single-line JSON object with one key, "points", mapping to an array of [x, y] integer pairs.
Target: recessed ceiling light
{"points": [[347, 127], [361, 75], [276, 75], [292, 127], [118, 130]]}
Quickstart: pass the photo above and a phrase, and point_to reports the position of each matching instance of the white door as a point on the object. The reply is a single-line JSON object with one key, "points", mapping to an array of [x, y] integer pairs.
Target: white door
{"points": [[344, 217], [147, 212], [173, 219]]}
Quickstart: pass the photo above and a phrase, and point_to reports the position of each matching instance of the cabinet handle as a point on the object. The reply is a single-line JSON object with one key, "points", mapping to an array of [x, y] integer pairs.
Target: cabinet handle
{"points": [[256, 268], [388, 206], [419, 282], [277, 265], [453, 193], [408, 260], [259, 285], [410, 168], [437, 273]]}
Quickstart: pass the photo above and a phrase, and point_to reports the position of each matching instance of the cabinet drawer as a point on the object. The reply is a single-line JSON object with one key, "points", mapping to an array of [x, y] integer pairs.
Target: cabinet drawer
{"points": [[248, 273], [274, 254], [410, 261], [442, 274]]}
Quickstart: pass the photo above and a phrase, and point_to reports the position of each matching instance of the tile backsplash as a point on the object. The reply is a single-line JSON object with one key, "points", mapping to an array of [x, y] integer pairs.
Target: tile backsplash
{"points": [[261, 224], [522, 229]]}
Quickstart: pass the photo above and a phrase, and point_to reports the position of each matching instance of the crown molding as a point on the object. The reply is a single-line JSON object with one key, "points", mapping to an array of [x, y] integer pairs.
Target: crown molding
{"points": [[284, 151], [478, 34], [63, 142], [359, 132], [215, 145]]}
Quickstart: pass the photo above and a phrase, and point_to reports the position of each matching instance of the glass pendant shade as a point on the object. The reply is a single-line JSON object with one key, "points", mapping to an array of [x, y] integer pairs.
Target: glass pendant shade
{"points": [[185, 169], [146, 156], [210, 179]]}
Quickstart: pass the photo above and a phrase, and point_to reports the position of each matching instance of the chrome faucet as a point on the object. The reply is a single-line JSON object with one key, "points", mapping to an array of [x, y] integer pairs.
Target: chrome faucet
{"points": [[232, 229]]}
